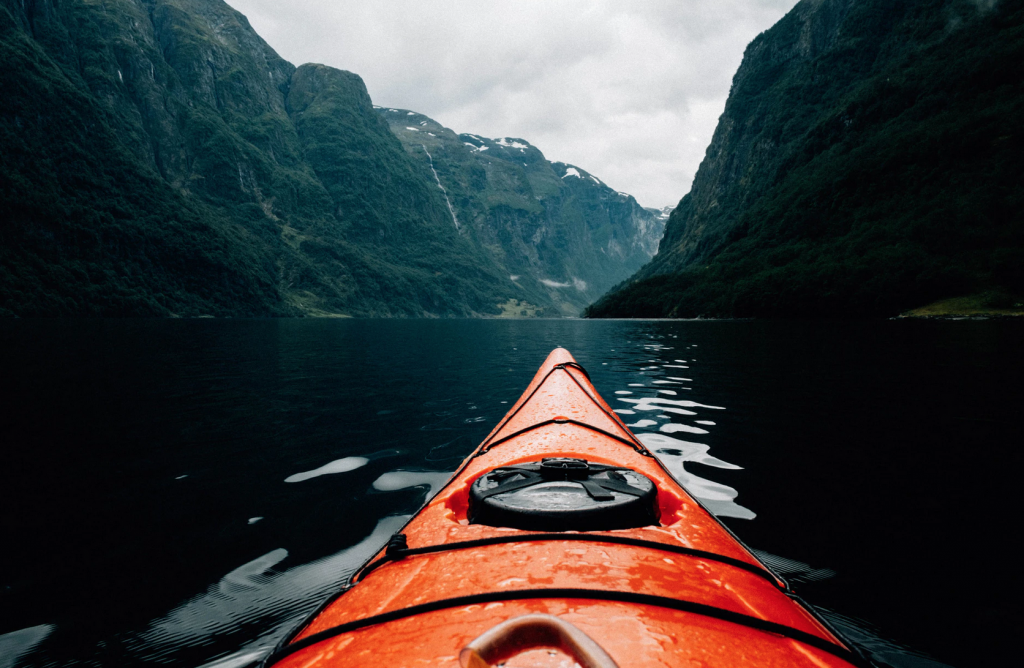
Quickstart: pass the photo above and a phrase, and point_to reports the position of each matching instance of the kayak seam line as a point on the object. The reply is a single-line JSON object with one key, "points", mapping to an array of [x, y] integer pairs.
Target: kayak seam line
{"points": [[564, 366], [503, 423], [633, 444], [592, 594], [538, 537], [596, 398]]}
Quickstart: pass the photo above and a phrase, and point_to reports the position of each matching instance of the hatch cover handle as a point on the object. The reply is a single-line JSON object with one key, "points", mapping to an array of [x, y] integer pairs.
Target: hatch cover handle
{"points": [[521, 634]]}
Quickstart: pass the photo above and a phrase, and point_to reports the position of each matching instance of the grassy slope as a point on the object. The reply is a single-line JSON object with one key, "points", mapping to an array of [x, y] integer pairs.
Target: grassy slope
{"points": [[989, 304], [901, 188]]}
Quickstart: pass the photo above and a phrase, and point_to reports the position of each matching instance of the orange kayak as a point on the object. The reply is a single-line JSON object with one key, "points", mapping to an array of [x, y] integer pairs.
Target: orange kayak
{"points": [[561, 539]]}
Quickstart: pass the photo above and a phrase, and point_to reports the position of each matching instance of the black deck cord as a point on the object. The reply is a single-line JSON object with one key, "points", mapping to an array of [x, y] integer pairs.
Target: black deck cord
{"points": [[564, 366], [636, 445], [399, 553], [508, 418], [865, 660], [589, 594], [611, 414]]}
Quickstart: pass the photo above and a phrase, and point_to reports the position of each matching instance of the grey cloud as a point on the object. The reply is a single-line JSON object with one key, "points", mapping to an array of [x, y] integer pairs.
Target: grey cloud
{"points": [[631, 92]]}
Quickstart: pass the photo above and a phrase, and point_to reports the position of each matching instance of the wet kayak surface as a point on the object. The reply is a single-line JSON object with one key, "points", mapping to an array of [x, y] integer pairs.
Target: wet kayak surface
{"points": [[183, 492]]}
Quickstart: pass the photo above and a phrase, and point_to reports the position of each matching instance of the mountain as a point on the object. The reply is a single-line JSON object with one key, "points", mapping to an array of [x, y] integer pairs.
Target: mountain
{"points": [[560, 233], [663, 214], [157, 157], [869, 160]]}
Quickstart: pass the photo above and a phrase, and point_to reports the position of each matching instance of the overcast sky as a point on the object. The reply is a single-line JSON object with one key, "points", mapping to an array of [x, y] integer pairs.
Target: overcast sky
{"points": [[631, 90]]}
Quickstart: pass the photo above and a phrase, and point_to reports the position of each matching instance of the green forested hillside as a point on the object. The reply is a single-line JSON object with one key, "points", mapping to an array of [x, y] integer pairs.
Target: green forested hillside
{"points": [[158, 158], [561, 234], [870, 160]]}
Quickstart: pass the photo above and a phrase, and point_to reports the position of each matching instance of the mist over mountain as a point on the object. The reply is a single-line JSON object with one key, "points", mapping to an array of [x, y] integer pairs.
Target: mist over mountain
{"points": [[869, 160], [157, 157]]}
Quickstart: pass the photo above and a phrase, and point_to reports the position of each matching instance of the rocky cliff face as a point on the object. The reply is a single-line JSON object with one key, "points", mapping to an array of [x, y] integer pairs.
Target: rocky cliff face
{"points": [[744, 155], [158, 157], [559, 232], [867, 162]]}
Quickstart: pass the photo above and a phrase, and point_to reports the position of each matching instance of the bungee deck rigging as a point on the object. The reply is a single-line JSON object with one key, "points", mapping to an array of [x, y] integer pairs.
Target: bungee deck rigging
{"points": [[563, 533]]}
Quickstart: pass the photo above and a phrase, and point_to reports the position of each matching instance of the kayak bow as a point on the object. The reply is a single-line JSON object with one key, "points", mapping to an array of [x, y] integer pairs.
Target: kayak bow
{"points": [[561, 537]]}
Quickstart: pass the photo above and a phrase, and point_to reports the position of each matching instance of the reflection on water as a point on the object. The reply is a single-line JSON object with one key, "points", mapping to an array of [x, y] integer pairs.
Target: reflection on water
{"points": [[673, 452], [256, 595], [17, 643], [883, 651], [276, 598]]}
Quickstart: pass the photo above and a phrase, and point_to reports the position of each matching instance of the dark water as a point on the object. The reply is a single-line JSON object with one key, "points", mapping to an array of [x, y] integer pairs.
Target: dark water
{"points": [[163, 498]]}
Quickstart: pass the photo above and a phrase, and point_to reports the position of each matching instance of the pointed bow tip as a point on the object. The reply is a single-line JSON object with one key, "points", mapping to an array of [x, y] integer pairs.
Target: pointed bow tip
{"points": [[559, 356]]}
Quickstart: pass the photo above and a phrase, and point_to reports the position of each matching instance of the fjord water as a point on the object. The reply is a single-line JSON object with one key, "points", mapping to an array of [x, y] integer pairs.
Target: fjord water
{"points": [[181, 492]]}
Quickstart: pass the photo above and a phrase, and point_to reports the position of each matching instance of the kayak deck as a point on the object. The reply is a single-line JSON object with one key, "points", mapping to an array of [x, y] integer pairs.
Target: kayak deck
{"points": [[681, 592]]}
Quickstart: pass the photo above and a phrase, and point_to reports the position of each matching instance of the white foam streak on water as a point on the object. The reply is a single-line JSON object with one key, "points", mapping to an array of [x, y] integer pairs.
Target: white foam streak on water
{"points": [[674, 453], [396, 480], [250, 575], [674, 427], [337, 466], [661, 401], [237, 660], [671, 392], [17, 643], [640, 424]]}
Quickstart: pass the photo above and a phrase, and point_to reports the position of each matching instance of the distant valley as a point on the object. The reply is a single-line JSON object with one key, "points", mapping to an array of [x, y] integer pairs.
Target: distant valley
{"points": [[563, 236]]}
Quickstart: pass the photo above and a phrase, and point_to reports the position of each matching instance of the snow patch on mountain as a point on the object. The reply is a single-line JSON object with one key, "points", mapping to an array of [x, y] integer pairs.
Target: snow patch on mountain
{"points": [[513, 144]]}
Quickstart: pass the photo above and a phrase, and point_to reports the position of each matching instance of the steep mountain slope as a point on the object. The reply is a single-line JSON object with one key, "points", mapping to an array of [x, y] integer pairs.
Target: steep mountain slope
{"points": [[562, 235], [157, 157], [869, 160]]}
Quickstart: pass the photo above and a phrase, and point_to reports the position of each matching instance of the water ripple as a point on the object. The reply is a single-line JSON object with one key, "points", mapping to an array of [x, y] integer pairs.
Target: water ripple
{"points": [[674, 453]]}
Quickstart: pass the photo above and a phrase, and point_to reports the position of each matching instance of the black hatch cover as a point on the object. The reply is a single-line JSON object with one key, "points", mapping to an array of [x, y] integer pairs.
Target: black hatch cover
{"points": [[563, 494]]}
